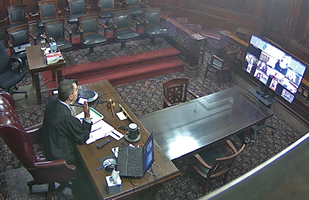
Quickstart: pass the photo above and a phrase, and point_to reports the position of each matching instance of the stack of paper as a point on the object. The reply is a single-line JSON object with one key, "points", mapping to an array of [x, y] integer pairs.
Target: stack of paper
{"points": [[100, 128]]}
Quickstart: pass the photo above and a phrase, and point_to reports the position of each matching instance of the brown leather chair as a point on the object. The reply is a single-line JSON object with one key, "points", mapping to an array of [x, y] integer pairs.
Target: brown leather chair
{"points": [[222, 65], [23, 142], [211, 163], [175, 91]]}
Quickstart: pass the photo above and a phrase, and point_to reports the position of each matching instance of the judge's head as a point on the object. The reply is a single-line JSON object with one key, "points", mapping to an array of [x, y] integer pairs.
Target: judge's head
{"points": [[67, 91]]}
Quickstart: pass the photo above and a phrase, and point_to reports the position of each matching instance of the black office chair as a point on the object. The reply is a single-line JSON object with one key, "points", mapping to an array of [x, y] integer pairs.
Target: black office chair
{"points": [[19, 39], [134, 7], [90, 37], [77, 8], [47, 10], [122, 32], [9, 76], [152, 24], [106, 9], [16, 16], [55, 28]]}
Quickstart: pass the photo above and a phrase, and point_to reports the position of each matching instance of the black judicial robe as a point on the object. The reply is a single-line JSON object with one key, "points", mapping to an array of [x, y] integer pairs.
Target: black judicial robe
{"points": [[61, 130]]}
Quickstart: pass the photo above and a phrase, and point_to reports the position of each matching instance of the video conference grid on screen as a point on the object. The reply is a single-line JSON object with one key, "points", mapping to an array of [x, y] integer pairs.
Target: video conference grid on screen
{"points": [[275, 68]]}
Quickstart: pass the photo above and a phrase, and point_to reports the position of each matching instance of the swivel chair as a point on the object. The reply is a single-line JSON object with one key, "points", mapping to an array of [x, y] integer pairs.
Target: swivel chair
{"points": [[90, 37], [47, 10], [9, 76], [152, 24], [222, 65], [55, 28], [212, 162], [24, 143], [122, 32]]}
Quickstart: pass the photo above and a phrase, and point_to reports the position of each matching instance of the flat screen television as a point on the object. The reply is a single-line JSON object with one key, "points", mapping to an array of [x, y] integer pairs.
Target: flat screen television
{"points": [[274, 67]]}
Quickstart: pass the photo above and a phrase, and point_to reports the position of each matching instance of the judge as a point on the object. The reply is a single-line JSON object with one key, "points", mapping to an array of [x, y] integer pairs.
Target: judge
{"points": [[60, 129]]}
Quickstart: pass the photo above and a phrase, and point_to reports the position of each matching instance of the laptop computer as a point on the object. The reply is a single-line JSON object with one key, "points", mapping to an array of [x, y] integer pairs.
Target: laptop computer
{"points": [[136, 164]]}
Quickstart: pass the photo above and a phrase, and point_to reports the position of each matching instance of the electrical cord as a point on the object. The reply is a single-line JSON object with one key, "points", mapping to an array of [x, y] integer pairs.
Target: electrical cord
{"points": [[151, 169]]}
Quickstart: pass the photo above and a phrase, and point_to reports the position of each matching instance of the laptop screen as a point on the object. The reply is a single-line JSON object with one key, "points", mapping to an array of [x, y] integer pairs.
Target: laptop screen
{"points": [[148, 152]]}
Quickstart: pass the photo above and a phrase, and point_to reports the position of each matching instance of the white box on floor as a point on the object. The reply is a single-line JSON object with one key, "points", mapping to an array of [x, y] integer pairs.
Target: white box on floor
{"points": [[113, 187]]}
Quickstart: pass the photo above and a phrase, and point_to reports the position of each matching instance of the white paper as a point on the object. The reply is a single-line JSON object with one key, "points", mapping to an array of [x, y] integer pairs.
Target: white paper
{"points": [[121, 116], [95, 116]]}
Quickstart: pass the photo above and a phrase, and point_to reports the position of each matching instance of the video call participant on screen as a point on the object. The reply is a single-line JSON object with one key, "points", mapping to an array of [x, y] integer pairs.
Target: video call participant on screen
{"points": [[282, 65], [61, 129]]}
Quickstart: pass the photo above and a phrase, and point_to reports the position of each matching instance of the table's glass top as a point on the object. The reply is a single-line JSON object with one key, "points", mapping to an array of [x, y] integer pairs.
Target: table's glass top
{"points": [[205, 120]]}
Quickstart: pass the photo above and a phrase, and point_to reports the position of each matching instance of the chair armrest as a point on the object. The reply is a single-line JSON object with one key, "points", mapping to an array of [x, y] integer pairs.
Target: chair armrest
{"points": [[17, 59], [33, 132], [134, 21], [193, 94], [60, 163], [200, 159], [33, 37], [104, 27], [70, 33], [8, 96], [231, 145], [36, 15], [166, 101]]}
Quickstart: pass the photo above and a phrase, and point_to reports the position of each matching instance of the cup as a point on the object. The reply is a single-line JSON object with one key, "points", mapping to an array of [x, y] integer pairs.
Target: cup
{"points": [[133, 131]]}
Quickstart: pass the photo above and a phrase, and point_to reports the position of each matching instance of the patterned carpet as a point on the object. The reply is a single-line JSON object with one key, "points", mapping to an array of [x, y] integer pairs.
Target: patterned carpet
{"points": [[143, 100]]}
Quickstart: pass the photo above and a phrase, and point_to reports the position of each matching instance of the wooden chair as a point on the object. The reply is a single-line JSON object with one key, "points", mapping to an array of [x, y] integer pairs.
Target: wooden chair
{"points": [[175, 91], [122, 27], [17, 15], [88, 28], [19, 39], [106, 9], [211, 163], [222, 65], [55, 28], [152, 22], [134, 7], [77, 8], [47, 10]]}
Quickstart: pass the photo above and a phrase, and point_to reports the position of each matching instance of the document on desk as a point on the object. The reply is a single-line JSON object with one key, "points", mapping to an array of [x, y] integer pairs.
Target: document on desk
{"points": [[102, 129], [95, 116], [99, 128]]}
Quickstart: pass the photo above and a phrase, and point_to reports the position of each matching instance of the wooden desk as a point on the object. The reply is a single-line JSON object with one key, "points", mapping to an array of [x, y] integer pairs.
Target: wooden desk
{"points": [[90, 153], [190, 126], [37, 63]]}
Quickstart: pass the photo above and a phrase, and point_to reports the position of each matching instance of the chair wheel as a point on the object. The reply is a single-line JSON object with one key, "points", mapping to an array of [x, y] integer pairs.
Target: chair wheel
{"points": [[274, 130]]}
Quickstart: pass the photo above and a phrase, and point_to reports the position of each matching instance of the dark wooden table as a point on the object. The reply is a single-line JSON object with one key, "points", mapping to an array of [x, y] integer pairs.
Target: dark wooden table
{"points": [[90, 153], [37, 63], [190, 126]]}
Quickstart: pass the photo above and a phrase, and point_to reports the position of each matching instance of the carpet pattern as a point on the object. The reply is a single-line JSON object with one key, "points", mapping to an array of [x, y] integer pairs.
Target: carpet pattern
{"points": [[144, 99]]}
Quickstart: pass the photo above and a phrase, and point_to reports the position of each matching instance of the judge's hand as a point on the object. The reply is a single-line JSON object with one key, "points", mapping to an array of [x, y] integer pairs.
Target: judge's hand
{"points": [[86, 111]]}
